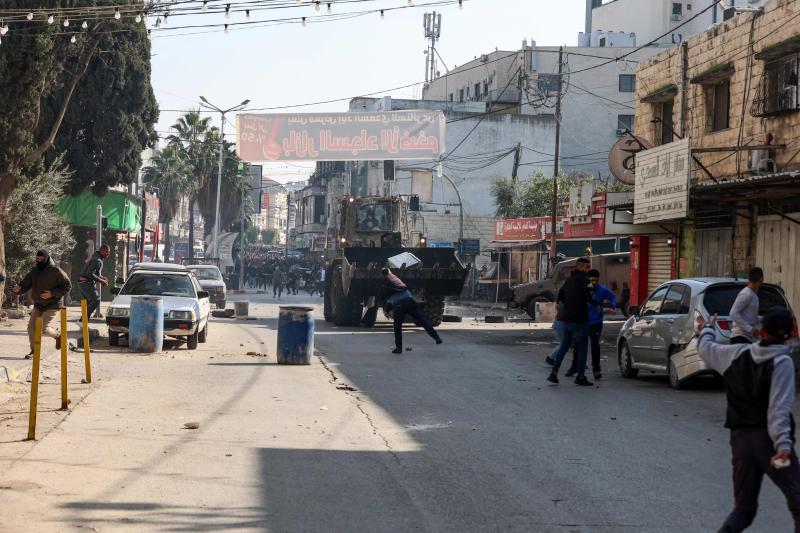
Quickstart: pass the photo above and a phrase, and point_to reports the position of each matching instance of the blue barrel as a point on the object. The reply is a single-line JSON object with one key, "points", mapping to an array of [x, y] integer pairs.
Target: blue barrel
{"points": [[295, 335], [146, 330]]}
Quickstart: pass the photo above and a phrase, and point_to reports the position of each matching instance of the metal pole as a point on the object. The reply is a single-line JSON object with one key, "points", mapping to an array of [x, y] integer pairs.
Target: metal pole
{"points": [[553, 240], [144, 224], [97, 245], [219, 186]]}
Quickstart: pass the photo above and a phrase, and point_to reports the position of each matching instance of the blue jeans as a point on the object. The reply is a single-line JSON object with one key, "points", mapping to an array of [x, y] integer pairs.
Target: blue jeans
{"points": [[573, 333], [558, 326]]}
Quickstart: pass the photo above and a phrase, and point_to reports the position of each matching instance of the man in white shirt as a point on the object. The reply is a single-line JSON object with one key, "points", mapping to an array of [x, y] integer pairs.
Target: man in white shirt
{"points": [[744, 312]]}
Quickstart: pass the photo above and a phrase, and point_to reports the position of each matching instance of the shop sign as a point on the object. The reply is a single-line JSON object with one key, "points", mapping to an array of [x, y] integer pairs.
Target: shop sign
{"points": [[519, 229], [662, 183]]}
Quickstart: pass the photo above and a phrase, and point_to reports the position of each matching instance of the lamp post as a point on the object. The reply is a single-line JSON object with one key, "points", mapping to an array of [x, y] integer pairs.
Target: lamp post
{"points": [[222, 112]]}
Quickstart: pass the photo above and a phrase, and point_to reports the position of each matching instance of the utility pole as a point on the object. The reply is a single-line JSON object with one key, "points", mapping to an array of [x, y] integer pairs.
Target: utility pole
{"points": [[553, 239], [242, 235], [517, 160]]}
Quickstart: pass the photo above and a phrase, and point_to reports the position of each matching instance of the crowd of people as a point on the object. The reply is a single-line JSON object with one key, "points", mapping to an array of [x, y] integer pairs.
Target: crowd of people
{"points": [[270, 269]]}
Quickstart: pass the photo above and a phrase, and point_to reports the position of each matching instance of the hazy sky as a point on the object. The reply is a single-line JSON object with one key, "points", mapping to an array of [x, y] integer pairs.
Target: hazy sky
{"points": [[292, 64]]}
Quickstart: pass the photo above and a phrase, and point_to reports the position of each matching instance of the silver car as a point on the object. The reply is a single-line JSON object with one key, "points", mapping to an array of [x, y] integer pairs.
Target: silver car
{"points": [[659, 336]]}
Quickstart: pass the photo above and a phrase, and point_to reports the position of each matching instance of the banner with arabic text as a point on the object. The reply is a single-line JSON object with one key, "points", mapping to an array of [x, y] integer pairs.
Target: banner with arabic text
{"points": [[414, 134]]}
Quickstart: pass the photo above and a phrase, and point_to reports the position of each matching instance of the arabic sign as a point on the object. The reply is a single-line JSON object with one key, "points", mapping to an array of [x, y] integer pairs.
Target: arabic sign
{"points": [[469, 247], [662, 183], [622, 157], [413, 134], [580, 202], [520, 229], [151, 212]]}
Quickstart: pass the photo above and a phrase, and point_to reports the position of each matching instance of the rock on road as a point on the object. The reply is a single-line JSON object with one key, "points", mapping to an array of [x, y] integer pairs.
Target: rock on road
{"points": [[466, 436]]}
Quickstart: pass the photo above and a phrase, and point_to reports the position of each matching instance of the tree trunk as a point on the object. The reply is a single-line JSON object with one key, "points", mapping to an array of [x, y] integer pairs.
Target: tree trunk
{"points": [[191, 227], [3, 207], [167, 241]]}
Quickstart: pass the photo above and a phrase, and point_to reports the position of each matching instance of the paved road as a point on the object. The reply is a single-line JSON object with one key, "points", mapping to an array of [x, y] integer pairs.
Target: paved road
{"points": [[466, 436]]}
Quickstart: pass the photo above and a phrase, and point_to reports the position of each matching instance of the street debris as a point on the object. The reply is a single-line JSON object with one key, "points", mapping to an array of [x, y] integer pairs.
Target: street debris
{"points": [[323, 408], [191, 425], [257, 354], [348, 388]]}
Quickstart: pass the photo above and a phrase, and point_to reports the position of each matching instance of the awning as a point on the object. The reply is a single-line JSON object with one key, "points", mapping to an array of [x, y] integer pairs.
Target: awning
{"points": [[661, 94], [780, 49], [714, 75], [748, 188], [123, 212]]}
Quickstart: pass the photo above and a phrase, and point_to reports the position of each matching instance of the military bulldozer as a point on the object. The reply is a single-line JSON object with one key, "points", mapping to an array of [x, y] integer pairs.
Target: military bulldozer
{"points": [[371, 231]]}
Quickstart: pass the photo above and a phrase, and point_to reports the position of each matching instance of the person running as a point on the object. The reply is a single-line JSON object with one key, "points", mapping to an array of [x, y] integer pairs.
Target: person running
{"points": [[744, 311], [600, 295], [760, 389], [48, 285], [577, 297], [402, 303], [91, 275]]}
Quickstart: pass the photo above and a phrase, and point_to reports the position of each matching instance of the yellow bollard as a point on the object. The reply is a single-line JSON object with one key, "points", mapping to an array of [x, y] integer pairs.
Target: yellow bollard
{"points": [[85, 324], [37, 351], [64, 344]]}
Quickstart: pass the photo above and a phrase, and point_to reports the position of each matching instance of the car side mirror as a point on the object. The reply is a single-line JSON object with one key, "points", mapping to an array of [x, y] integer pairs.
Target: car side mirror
{"points": [[115, 290], [202, 294], [633, 310]]}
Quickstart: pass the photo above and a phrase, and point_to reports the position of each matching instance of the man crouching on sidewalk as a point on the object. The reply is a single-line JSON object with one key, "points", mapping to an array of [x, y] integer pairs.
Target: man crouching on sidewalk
{"points": [[759, 382]]}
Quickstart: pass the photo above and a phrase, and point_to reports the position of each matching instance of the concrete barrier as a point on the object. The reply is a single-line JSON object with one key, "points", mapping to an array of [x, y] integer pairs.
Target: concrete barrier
{"points": [[545, 312]]}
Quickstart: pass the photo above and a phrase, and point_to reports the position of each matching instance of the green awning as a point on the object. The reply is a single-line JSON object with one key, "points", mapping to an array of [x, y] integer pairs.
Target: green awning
{"points": [[124, 212]]}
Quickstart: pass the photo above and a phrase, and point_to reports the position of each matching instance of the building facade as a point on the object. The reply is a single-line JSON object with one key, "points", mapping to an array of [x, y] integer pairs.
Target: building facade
{"points": [[731, 95]]}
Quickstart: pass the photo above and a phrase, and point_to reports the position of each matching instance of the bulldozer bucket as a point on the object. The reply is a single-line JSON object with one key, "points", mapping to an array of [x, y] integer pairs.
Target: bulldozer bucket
{"points": [[441, 273]]}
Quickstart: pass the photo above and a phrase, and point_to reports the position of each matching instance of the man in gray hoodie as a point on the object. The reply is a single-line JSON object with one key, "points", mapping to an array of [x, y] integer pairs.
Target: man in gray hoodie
{"points": [[744, 311], [759, 382]]}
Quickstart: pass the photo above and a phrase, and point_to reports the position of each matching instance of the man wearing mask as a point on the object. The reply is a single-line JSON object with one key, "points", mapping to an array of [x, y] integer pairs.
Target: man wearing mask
{"points": [[48, 285], [91, 275], [575, 316]]}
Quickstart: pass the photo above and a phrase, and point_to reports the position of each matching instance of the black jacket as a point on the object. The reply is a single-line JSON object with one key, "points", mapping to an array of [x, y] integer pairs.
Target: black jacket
{"points": [[577, 296], [49, 278]]}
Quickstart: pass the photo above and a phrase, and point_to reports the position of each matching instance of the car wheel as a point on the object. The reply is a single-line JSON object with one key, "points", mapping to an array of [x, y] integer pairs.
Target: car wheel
{"points": [[203, 335], [220, 305], [674, 381], [191, 340], [626, 362], [113, 338]]}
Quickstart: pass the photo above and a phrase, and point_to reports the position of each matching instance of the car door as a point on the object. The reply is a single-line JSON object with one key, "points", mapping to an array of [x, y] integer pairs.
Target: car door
{"points": [[203, 303], [668, 323], [640, 337]]}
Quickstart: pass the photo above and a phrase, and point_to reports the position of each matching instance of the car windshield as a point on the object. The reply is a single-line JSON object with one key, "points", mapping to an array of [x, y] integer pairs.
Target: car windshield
{"points": [[207, 273], [719, 300], [146, 284]]}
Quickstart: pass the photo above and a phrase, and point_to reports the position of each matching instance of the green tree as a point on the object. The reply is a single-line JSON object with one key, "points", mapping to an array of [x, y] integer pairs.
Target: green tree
{"points": [[533, 197], [269, 236], [91, 99], [234, 183], [169, 172]]}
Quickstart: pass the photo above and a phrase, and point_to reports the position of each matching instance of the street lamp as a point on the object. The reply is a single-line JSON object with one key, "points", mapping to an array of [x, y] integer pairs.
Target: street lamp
{"points": [[222, 112]]}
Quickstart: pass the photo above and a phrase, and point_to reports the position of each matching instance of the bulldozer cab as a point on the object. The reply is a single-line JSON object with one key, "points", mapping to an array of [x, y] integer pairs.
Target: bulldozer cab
{"points": [[373, 222]]}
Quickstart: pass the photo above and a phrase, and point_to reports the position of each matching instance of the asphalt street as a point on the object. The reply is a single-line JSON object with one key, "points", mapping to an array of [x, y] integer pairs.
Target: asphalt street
{"points": [[465, 436]]}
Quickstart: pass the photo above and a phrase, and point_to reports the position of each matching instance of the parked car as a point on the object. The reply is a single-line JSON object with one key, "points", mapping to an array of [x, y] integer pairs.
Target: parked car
{"points": [[615, 273], [660, 336], [210, 279], [186, 304]]}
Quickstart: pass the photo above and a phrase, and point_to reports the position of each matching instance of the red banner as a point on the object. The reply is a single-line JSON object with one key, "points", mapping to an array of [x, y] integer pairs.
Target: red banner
{"points": [[522, 229]]}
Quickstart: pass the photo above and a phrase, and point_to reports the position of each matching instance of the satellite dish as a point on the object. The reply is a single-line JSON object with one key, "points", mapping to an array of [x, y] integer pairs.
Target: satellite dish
{"points": [[622, 157]]}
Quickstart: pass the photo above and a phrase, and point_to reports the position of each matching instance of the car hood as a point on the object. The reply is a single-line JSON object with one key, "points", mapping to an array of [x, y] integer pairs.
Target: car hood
{"points": [[171, 303]]}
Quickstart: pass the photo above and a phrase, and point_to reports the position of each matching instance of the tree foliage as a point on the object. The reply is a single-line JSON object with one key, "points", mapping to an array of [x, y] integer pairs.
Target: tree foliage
{"points": [[169, 173], [533, 197], [34, 222], [269, 236]]}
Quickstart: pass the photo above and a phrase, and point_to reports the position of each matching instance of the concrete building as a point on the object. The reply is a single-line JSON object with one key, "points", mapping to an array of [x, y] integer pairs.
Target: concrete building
{"points": [[274, 208], [597, 106], [732, 94]]}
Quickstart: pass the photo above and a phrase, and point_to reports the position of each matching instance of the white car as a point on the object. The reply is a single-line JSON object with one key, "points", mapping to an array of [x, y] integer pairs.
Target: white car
{"points": [[186, 304], [210, 279]]}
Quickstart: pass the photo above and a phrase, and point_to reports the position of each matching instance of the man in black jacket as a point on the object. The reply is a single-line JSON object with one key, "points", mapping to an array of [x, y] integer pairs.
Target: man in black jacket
{"points": [[91, 275], [48, 285], [575, 317]]}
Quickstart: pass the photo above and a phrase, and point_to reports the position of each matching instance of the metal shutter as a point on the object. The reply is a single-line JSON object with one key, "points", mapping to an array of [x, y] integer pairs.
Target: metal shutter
{"points": [[712, 253], [659, 263]]}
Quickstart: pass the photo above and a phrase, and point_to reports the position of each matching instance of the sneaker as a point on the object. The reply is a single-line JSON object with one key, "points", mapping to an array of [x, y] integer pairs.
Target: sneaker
{"points": [[58, 342], [397, 350], [583, 382], [439, 341], [549, 360], [571, 372], [597, 374], [553, 378], [30, 355]]}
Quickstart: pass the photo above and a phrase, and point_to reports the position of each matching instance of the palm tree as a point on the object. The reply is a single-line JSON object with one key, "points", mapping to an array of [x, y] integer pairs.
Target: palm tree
{"points": [[169, 172], [194, 135]]}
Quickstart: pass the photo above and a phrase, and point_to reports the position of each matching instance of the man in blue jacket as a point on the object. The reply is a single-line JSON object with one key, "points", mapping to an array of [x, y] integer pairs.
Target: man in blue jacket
{"points": [[600, 295], [759, 384]]}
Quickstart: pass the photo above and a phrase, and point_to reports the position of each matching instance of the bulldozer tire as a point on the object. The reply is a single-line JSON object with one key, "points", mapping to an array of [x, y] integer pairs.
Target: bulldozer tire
{"points": [[327, 305], [346, 310], [433, 309]]}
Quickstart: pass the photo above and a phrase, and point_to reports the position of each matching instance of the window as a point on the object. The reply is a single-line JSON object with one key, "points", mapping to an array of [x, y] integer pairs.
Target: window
{"points": [[477, 92], [653, 305], [451, 97], [547, 82], [673, 302], [602, 42], [718, 102], [485, 88], [627, 83], [778, 92], [667, 133], [688, 7], [624, 122], [319, 209], [677, 8]]}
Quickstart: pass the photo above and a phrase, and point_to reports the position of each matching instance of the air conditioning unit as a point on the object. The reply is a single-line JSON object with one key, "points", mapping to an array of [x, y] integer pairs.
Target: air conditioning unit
{"points": [[621, 133], [759, 162]]}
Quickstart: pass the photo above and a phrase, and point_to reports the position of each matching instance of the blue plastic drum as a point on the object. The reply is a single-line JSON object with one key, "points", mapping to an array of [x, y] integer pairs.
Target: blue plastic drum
{"points": [[295, 335], [146, 329]]}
